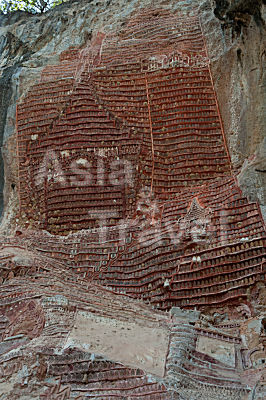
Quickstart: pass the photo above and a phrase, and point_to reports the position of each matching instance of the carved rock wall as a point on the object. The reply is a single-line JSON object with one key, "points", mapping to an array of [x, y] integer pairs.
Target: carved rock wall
{"points": [[173, 89]]}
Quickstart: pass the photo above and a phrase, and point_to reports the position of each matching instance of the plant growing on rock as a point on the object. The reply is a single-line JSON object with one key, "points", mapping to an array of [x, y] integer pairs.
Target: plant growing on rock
{"points": [[32, 6]]}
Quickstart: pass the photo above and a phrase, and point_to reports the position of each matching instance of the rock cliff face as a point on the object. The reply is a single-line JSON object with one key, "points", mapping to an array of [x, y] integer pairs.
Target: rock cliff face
{"points": [[236, 43], [132, 235]]}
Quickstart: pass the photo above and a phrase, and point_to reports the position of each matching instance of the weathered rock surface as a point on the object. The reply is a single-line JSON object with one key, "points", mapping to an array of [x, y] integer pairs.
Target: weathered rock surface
{"points": [[236, 44]]}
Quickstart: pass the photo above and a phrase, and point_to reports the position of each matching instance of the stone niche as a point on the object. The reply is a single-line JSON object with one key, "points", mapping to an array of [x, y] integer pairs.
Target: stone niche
{"points": [[220, 350]]}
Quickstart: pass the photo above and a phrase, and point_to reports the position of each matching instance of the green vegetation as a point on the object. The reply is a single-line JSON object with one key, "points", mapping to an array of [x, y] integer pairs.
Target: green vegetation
{"points": [[33, 6]]}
